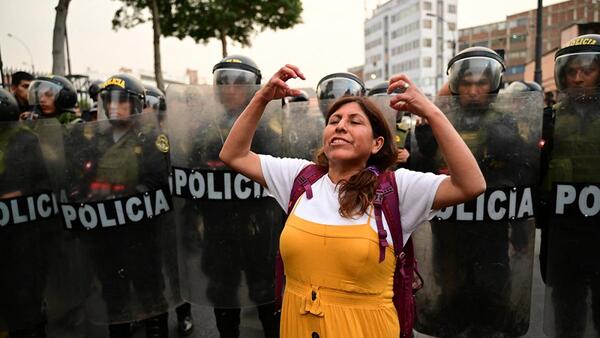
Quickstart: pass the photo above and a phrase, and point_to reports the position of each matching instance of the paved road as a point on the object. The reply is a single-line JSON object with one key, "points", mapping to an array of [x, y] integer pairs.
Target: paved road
{"points": [[205, 324]]}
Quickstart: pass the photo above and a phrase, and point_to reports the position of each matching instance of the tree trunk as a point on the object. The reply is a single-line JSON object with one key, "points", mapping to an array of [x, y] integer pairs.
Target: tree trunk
{"points": [[157, 63], [58, 38], [223, 43]]}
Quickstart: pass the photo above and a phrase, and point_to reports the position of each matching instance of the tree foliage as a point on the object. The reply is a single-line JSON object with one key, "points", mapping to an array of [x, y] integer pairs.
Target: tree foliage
{"points": [[238, 20], [136, 12]]}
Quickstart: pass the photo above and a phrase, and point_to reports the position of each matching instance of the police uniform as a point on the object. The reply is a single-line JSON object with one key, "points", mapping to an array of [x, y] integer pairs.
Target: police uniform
{"points": [[239, 236], [471, 262], [569, 251], [22, 253], [122, 158]]}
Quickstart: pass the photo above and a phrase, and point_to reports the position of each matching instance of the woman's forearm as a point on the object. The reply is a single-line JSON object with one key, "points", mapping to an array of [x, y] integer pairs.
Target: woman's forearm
{"points": [[463, 168], [238, 142]]}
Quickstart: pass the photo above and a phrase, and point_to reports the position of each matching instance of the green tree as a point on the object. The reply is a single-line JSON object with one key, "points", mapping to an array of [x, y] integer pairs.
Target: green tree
{"points": [[135, 12], [238, 20]]}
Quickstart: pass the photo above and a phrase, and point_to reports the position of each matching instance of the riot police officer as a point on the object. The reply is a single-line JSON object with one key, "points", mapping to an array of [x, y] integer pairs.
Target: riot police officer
{"points": [[471, 261], [52, 97], [91, 114], [22, 256], [155, 100], [570, 234], [126, 157], [239, 234]]}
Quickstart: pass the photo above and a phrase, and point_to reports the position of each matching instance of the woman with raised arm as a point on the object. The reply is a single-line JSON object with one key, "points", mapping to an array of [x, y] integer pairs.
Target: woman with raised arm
{"points": [[336, 285]]}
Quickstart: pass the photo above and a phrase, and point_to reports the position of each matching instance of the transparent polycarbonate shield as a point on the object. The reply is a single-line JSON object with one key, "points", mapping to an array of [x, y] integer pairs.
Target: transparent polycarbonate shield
{"points": [[476, 258], [228, 225], [116, 207], [27, 215], [303, 126], [571, 232]]}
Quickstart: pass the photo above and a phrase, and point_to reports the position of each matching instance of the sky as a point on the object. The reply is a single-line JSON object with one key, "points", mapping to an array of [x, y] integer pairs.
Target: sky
{"points": [[329, 40]]}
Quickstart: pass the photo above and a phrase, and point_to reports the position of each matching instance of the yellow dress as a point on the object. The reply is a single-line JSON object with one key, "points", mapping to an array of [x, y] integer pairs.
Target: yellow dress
{"points": [[335, 285]]}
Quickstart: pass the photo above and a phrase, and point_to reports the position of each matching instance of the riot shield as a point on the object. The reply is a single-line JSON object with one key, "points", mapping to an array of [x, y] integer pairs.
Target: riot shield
{"points": [[303, 126], [116, 204], [571, 232], [27, 215], [476, 258], [228, 226]]}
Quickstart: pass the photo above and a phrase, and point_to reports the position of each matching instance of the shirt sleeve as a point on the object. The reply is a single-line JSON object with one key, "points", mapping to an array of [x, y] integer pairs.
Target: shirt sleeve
{"points": [[416, 192], [279, 174]]}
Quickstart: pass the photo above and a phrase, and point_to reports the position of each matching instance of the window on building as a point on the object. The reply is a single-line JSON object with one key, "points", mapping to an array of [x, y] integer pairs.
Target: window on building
{"points": [[427, 5], [451, 26], [515, 70], [515, 38], [480, 44], [427, 23], [452, 9], [426, 42], [501, 26], [427, 62], [522, 22]]}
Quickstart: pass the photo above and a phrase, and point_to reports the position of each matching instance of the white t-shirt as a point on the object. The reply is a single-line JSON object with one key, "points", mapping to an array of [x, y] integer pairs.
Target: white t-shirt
{"points": [[416, 192]]}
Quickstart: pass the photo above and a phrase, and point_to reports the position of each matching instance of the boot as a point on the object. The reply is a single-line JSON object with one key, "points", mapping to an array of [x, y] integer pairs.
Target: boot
{"points": [[228, 322], [120, 330], [269, 320], [185, 323], [158, 327], [38, 331]]}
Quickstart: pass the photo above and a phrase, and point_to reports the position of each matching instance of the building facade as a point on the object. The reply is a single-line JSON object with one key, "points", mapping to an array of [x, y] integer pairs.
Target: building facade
{"points": [[415, 37], [516, 35]]}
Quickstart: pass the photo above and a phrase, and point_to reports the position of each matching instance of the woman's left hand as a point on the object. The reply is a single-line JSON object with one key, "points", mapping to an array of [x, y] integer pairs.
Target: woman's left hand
{"points": [[277, 87], [410, 97]]}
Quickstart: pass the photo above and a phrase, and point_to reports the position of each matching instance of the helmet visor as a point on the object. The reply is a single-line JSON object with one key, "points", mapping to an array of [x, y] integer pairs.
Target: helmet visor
{"points": [[581, 70], [43, 93], [118, 105], [336, 87], [153, 103], [234, 77], [482, 73]]}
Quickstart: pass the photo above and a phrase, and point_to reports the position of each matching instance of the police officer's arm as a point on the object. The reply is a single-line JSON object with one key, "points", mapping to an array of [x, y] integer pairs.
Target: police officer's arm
{"points": [[236, 151], [466, 180]]}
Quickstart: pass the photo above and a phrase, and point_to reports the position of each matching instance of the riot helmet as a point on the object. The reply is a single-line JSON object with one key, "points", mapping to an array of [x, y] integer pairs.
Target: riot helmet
{"points": [[236, 79], [336, 85], [380, 89], [94, 89], [523, 86], [121, 96], [52, 95], [578, 64], [155, 100], [236, 70], [475, 66], [302, 97], [9, 108]]}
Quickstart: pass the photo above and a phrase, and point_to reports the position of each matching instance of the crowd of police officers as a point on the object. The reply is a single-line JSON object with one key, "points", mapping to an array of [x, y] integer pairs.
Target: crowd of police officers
{"points": [[106, 220]]}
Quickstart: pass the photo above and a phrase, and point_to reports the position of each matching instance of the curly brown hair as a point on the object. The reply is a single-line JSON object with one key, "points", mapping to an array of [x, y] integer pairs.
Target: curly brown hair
{"points": [[357, 193]]}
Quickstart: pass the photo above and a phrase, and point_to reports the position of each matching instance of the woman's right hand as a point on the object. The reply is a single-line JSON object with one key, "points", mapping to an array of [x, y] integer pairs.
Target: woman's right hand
{"points": [[410, 97], [277, 87]]}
